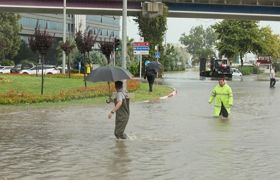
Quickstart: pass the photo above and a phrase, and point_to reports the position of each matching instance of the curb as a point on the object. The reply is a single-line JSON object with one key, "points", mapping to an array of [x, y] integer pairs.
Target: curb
{"points": [[173, 93]]}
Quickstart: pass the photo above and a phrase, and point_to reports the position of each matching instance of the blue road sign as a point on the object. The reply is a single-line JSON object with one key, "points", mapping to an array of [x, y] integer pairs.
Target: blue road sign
{"points": [[141, 48], [157, 55]]}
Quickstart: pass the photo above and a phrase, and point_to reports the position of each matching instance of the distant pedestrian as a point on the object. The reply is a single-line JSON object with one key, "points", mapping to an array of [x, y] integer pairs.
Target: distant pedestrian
{"points": [[272, 78], [121, 109], [150, 74], [222, 94]]}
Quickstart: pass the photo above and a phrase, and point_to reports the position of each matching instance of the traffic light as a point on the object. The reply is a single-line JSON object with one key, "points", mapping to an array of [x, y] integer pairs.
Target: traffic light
{"points": [[117, 44]]}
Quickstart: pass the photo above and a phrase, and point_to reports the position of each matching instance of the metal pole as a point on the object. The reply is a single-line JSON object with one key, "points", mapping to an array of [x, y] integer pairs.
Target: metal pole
{"points": [[124, 33], [124, 36], [140, 56], [64, 36]]}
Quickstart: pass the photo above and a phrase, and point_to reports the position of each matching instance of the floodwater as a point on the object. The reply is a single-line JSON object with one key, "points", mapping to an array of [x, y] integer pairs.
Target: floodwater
{"points": [[176, 138]]}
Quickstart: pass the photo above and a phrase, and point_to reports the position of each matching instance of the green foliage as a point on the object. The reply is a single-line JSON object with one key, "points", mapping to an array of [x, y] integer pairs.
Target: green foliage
{"points": [[9, 34], [19, 89], [98, 58], [7, 62], [25, 53], [238, 36], [134, 68], [200, 42], [153, 30], [174, 58], [270, 43], [247, 70]]}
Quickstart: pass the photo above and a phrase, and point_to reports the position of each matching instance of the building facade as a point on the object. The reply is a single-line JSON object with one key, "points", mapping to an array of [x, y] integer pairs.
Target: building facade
{"points": [[106, 27]]}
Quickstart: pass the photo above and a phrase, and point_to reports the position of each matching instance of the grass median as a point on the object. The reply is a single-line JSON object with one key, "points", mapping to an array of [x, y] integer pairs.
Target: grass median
{"points": [[25, 89]]}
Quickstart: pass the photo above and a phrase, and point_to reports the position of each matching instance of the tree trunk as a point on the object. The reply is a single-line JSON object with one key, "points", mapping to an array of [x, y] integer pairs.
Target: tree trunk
{"points": [[69, 71], [85, 70], [42, 80], [241, 60]]}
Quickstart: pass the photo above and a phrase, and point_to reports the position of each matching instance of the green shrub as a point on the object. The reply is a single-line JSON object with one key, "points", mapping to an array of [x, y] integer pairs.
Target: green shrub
{"points": [[134, 68], [247, 70], [7, 62]]}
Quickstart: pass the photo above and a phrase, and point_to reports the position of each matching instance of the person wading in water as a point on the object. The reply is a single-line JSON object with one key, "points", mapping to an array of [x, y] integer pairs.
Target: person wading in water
{"points": [[121, 109]]}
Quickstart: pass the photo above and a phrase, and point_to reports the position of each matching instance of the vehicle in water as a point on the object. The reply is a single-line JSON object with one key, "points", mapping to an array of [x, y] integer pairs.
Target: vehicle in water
{"points": [[215, 68]]}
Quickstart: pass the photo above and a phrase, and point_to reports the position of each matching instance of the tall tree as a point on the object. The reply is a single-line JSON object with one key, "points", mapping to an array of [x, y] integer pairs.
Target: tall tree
{"points": [[270, 43], [237, 36], [9, 34], [153, 30], [199, 42], [84, 42]]}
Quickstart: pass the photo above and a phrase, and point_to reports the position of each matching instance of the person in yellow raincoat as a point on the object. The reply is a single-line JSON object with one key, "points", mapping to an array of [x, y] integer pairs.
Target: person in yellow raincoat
{"points": [[222, 94]]}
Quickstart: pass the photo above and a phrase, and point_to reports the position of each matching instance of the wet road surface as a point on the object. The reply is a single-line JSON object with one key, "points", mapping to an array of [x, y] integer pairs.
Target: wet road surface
{"points": [[175, 138]]}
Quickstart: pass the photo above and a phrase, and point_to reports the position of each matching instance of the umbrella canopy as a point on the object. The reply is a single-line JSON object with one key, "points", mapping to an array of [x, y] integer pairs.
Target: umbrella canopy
{"points": [[108, 73], [153, 65]]}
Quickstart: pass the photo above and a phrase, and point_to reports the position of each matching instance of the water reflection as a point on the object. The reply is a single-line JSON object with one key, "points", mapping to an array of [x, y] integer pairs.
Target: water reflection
{"points": [[119, 167]]}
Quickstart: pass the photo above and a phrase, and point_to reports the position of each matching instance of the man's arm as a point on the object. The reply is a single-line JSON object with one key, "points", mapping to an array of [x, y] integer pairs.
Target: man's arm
{"points": [[117, 106], [230, 96], [212, 96]]}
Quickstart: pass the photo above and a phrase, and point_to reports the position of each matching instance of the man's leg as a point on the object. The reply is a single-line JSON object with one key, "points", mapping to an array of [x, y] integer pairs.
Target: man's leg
{"points": [[151, 82], [120, 127], [271, 81], [274, 82], [224, 112]]}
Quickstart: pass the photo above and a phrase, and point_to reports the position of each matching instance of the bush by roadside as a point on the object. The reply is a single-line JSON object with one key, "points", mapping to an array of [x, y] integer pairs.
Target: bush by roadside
{"points": [[247, 70]]}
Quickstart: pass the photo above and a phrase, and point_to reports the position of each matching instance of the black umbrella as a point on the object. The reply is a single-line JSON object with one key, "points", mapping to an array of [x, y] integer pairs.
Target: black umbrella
{"points": [[109, 74], [153, 65]]}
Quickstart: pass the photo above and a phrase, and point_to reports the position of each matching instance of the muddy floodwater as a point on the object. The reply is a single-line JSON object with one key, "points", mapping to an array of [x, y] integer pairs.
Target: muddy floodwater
{"points": [[172, 139]]}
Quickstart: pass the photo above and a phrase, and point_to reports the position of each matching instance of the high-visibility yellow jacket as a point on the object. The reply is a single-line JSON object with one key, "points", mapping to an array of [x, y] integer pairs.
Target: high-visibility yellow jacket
{"points": [[221, 94]]}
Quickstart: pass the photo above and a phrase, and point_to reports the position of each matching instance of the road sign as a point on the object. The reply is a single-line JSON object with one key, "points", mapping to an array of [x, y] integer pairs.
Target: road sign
{"points": [[141, 48], [157, 55]]}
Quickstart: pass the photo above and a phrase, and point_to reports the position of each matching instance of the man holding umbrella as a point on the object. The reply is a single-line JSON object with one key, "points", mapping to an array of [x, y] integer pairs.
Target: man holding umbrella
{"points": [[121, 109], [151, 69]]}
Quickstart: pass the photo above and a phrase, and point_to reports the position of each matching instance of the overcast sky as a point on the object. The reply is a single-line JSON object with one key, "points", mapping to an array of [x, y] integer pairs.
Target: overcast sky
{"points": [[178, 26]]}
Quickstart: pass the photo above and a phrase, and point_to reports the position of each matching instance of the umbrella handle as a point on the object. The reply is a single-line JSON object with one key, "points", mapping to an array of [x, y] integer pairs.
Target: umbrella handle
{"points": [[110, 96]]}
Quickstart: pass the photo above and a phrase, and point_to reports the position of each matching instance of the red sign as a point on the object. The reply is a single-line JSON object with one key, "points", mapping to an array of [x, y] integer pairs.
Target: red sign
{"points": [[136, 44]]}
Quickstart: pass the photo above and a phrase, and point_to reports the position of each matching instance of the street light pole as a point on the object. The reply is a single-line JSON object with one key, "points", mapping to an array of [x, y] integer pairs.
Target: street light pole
{"points": [[124, 33], [64, 35]]}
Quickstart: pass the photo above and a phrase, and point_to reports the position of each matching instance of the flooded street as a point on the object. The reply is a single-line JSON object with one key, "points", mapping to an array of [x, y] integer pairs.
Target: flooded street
{"points": [[176, 138]]}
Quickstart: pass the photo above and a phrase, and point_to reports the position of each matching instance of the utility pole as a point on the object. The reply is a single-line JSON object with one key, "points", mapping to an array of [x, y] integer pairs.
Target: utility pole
{"points": [[64, 36], [124, 33]]}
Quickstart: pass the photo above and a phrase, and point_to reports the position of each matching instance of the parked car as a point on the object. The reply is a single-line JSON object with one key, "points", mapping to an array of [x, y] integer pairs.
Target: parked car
{"points": [[5, 69], [236, 72], [60, 68], [38, 70], [20, 67]]}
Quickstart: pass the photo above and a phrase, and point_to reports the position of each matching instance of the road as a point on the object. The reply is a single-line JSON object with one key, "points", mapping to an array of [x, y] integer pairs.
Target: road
{"points": [[176, 138]]}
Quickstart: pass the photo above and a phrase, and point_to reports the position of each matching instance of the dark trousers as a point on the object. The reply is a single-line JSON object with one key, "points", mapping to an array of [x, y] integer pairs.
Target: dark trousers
{"points": [[151, 79], [120, 124], [272, 82], [223, 112]]}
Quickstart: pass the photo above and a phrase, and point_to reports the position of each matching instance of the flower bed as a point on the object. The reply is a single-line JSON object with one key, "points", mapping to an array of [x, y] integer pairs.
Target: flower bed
{"points": [[16, 97]]}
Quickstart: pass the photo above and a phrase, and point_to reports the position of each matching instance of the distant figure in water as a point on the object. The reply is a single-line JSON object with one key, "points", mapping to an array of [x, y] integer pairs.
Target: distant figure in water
{"points": [[272, 78]]}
